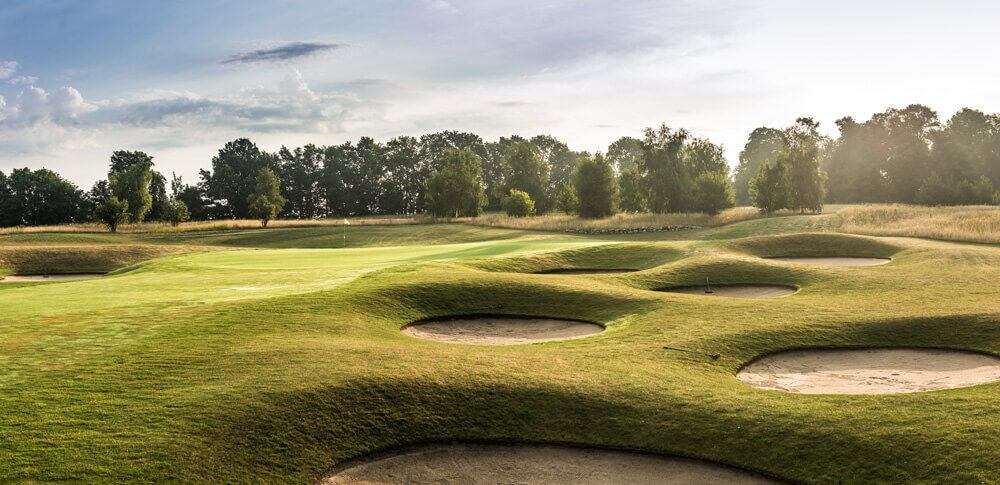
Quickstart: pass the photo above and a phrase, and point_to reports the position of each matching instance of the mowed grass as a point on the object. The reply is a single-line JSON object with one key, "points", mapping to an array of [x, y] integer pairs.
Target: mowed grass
{"points": [[273, 365]]}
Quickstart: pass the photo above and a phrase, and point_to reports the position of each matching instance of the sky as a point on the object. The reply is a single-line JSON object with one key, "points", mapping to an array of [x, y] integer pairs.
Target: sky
{"points": [[179, 78]]}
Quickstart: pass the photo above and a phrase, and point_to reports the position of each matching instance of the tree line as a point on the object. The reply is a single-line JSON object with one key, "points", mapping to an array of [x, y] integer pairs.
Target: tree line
{"points": [[899, 155]]}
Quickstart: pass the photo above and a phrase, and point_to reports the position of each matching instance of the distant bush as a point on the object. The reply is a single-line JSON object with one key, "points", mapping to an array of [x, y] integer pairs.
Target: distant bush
{"points": [[112, 213], [713, 193], [518, 204]]}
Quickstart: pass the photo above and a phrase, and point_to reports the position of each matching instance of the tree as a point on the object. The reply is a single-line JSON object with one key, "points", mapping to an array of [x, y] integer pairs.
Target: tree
{"points": [[518, 204], [122, 160], [769, 189], [266, 200], [566, 199], [801, 157], [625, 154], [494, 171], [39, 197], [402, 186], [158, 197], [131, 185], [113, 213], [456, 190], [762, 144], [630, 188], [713, 193], [596, 189], [667, 179], [558, 158], [234, 172], [176, 212], [525, 171], [299, 173]]}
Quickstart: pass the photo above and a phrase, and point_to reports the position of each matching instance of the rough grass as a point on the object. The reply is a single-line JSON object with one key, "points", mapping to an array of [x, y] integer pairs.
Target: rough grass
{"points": [[271, 366], [564, 222], [966, 223]]}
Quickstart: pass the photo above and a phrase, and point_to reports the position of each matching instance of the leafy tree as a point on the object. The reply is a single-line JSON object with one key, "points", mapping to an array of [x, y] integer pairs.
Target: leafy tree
{"points": [[158, 197], [946, 190], [763, 144], [113, 213], [630, 188], [401, 184], [559, 159], [713, 193], [122, 160], [703, 156], [769, 190], [234, 172], [518, 204], [493, 169], [266, 200], [456, 190], [132, 186], [524, 170], [596, 189], [566, 199], [176, 212], [801, 157], [193, 198], [39, 197], [299, 172], [667, 178], [625, 154]]}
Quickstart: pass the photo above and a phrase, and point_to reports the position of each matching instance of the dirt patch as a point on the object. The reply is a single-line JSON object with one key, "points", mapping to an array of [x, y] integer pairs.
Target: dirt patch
{"points": [[500, 329], [494, 464], [582, 271], [736, 291], [835, 261], [870, 371], [50, 277]]}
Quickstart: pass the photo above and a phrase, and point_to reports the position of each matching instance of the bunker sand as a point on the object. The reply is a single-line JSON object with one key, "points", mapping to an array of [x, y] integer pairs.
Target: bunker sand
{"points": [[737, 291], [496, 464], [870, 371], [500, 330], [832, 261]]}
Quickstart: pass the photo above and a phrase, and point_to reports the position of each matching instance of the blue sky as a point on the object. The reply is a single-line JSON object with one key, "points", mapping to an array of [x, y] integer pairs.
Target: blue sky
{"points": [[79, 79]]}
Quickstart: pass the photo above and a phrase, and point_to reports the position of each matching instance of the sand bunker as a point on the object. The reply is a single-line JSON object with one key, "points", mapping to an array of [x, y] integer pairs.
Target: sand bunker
{"points": [[500, 330], [870, 371], [573, 271], [737, 291], [475, 463], [835, 261], [51, 277]]}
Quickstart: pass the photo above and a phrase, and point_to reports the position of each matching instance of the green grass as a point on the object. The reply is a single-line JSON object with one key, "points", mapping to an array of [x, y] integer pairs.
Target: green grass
{"points": [[272, 365]]}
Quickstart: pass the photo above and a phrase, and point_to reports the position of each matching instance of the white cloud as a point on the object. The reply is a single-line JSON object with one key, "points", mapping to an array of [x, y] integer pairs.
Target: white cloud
{"points": [[23, 80], [7, 69], [34, 106]]}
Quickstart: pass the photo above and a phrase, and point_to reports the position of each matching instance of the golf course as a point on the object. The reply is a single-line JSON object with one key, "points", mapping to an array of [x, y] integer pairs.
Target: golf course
{"points": [[341, 355]]}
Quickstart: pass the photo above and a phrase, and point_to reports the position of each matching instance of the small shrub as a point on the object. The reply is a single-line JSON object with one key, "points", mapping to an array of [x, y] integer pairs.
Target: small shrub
{"points": [[518, 204]]}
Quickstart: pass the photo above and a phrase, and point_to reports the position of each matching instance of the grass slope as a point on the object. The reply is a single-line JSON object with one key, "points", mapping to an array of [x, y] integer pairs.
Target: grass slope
{"points": [[273, 365]]}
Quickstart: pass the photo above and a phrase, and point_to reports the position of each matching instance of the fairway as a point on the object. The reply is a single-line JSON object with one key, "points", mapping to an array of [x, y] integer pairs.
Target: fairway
{"points": [[196, 360]]}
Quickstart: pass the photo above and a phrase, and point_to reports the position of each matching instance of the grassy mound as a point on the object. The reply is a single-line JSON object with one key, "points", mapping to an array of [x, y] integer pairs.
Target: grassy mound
{"points": [[274, 365]]}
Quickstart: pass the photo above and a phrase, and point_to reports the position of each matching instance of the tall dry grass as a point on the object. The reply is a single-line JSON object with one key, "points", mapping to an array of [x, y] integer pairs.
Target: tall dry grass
{"points": [[220, 225], [962, 223], [618, 221]]}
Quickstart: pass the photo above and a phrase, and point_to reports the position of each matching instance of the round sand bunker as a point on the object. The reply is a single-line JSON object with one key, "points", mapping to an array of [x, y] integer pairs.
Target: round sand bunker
{"points": [[478, 463], [736, 291], [583, 271], [870, 371], [50, 277], [835, 261], [499, 329]]}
